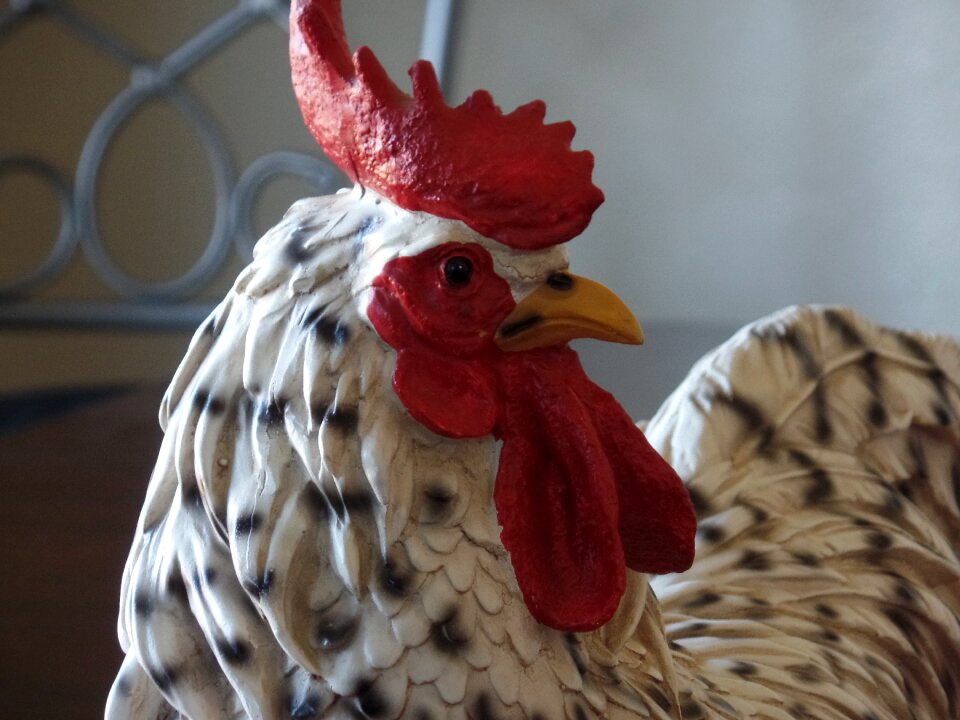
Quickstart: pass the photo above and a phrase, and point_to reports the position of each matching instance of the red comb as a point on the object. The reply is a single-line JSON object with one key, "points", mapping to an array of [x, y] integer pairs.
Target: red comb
{"points": [[509, 177]]}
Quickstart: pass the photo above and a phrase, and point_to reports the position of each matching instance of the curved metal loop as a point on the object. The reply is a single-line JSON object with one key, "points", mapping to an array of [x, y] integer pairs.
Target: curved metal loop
{"points": [[159, 80], [117, 114], [318, 171], [276, 10], [65, 245]]}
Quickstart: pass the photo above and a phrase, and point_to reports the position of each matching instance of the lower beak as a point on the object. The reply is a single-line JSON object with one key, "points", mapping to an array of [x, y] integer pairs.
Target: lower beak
{"points": [[565, 308]]}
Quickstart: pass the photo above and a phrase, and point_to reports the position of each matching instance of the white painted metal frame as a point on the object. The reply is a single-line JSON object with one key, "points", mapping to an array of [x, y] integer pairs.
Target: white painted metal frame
{"points": [[168, 304]]}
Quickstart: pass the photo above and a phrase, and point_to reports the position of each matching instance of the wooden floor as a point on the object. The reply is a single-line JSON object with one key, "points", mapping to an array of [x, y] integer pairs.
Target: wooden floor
{"points": [[72, 487]]}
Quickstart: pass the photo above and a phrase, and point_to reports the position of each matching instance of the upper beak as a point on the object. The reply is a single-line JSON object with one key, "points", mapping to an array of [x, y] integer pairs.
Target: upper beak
{"points": [[564, 308]]}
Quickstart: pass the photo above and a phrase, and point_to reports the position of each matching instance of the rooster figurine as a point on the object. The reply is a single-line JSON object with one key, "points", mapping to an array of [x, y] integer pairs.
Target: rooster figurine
{"points": [[387, 488]]}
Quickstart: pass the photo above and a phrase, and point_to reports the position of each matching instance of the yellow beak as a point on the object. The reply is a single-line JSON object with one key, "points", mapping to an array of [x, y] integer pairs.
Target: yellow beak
{"points": [[567, 307]]}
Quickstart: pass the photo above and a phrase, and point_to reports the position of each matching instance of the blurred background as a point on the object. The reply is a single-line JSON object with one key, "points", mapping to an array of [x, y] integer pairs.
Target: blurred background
{"points": [[754, 154]]}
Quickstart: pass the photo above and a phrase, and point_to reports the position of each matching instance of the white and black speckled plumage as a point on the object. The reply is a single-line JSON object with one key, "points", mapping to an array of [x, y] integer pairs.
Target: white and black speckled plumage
{"points": [[824, 457], [307, 550]]}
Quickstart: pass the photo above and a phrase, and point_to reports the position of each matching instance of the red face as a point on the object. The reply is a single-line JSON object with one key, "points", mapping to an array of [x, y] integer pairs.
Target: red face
{"points": [[448, 298], [440, 310]]}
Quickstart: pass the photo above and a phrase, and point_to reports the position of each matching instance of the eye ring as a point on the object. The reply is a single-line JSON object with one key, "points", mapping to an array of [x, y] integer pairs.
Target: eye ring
{"points": [[458, 271]]}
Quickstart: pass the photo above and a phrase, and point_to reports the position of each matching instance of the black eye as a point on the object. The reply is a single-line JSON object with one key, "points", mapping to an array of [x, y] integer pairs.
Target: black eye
{"points": [[457, 271]]}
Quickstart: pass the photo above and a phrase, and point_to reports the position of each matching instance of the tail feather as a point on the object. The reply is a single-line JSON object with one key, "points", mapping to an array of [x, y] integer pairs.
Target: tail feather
{"points": [[823, 455]]}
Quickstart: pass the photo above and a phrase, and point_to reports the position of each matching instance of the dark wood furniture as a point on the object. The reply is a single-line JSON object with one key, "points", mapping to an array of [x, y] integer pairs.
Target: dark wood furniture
{"points": [[71, 487]]}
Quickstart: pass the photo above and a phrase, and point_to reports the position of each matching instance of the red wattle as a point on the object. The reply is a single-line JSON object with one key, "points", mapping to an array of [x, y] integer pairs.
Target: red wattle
{"points": [[657, 520], [451, 397], [580, 493], [556, 499]]}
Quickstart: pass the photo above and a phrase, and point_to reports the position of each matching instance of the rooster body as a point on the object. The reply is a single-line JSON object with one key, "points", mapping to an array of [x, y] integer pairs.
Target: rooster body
{"points": [[388, 489], [308, 549]]}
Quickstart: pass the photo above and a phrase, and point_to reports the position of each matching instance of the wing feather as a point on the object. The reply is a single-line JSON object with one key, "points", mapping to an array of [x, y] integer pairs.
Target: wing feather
{"points": [[821, 452]]}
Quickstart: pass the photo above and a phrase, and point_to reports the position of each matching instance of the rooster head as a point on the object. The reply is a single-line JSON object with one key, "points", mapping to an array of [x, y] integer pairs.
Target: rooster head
{"points": [[480, 334]]}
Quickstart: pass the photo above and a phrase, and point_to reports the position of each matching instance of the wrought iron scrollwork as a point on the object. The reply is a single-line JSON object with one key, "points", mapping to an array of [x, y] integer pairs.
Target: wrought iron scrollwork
{"points": [[167, 303], [66, 241]]}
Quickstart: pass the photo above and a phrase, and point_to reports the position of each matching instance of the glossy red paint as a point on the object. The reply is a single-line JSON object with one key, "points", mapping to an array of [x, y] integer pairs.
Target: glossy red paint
{"points": [[580, 493], [444, 337], [508, 176]]}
